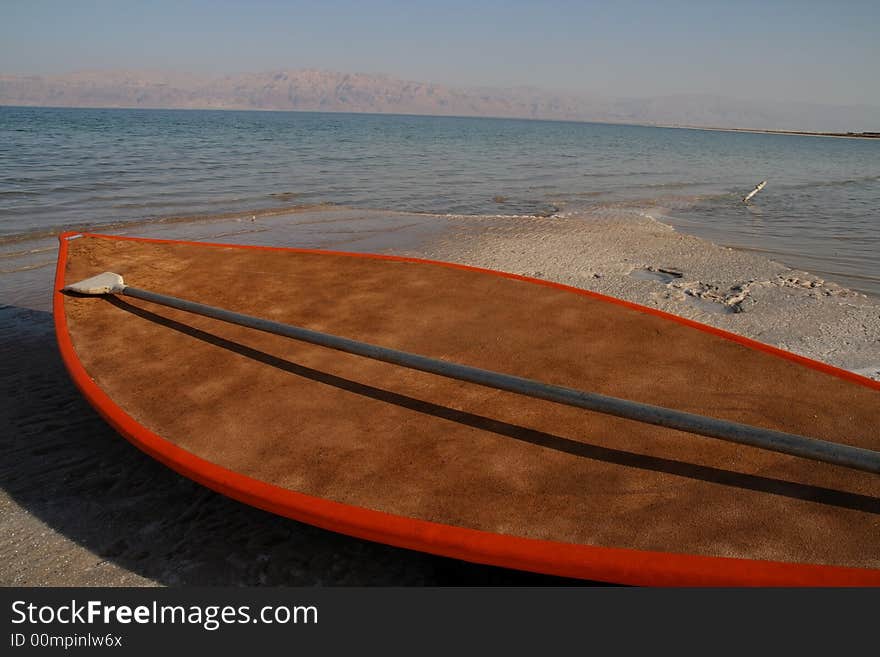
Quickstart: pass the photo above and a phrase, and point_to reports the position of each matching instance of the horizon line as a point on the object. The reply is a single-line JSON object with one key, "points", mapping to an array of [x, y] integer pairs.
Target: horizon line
{"points": [[865, 134]]}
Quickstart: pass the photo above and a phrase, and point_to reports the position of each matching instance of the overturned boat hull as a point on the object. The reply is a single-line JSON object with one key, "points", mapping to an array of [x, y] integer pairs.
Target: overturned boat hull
{"points": [[407, 458]]}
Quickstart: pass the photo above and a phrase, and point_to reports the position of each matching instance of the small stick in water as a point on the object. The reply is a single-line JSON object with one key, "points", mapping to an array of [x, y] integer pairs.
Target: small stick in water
{"points": [[757, 189]]}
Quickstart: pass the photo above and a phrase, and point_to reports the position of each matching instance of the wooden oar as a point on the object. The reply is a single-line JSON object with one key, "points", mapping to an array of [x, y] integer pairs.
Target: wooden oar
{"points": [[787, 443]]}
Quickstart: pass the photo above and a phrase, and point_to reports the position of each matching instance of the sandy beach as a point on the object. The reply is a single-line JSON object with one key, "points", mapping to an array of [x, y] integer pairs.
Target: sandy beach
{"points": [[631, 254], [81, 506]]}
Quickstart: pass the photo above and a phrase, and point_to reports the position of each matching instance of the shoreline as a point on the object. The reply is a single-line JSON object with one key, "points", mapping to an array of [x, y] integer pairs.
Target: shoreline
{"points": [[622, 250], [765, 131], [81, 506], [807, 133], [634, 256]]}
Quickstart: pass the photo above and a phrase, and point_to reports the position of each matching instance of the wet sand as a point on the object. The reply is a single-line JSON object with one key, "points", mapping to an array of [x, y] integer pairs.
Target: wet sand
{"points": [[81, 506]]}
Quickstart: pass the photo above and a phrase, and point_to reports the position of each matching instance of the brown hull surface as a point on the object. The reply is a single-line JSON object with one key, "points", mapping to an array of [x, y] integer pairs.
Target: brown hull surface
{"points": [[412, 459]]}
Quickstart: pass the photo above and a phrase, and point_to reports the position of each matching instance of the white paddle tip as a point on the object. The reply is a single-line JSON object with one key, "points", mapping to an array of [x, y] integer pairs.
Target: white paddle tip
{"points": [[106, 283]]}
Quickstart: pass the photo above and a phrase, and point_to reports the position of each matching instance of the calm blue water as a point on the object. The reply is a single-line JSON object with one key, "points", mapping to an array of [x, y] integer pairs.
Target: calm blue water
{"points": [[62, 168]]}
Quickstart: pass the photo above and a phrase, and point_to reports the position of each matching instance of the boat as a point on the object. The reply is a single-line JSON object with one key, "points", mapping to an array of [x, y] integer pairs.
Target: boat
{"points": [[342, 436]]}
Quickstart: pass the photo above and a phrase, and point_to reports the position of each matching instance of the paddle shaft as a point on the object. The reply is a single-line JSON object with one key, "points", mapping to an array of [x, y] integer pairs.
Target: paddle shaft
{"points": [[787, 443]]}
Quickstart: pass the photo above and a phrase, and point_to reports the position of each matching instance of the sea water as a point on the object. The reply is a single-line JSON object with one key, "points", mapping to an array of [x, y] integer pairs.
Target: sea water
{"points": [[94, 168]]}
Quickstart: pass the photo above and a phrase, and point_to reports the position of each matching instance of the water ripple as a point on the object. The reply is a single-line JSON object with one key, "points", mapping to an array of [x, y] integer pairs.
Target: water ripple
{"points": [[80, 167]]}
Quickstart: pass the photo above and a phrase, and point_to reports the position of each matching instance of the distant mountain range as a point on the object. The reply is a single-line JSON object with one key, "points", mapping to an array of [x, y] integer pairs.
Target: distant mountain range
{"points": [[329, 91]]}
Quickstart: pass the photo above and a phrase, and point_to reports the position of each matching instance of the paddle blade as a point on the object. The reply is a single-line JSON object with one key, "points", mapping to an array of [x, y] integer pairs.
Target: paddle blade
{"points": [[106, 283]]}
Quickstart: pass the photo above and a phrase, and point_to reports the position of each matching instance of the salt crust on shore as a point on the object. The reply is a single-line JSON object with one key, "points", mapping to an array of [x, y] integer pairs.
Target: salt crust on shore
{"points": [[630, 255], [81, 506]]}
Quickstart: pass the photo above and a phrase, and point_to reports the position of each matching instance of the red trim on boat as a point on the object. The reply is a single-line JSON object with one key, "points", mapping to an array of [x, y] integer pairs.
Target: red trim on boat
{"points": [[620, 565]]}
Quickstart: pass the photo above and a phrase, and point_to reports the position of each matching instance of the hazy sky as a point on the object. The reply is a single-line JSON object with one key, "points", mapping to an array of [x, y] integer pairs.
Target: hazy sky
{"points": [[810, 51]]}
